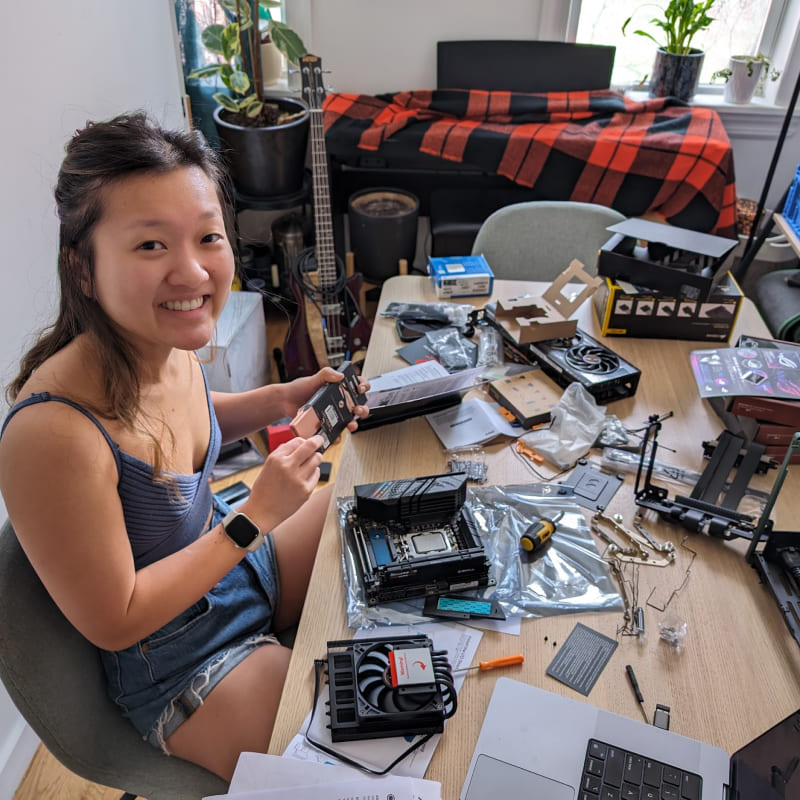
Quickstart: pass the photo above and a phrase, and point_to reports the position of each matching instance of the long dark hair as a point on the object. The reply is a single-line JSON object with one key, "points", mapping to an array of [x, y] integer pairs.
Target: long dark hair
{"points": [[96, 157]]}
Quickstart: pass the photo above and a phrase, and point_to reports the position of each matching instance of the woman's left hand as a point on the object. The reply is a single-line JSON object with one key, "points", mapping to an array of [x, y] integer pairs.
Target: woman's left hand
{"points": [[300, 390]]}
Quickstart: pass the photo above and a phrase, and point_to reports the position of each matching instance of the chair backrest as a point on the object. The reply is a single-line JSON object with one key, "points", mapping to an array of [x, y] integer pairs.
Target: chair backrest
{"points": [[55, 679], [538, 240]]}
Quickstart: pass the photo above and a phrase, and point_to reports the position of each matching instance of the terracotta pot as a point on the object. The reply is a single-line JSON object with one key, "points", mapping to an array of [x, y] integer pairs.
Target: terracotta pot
{"points": [[676, 75], [265, 162]]}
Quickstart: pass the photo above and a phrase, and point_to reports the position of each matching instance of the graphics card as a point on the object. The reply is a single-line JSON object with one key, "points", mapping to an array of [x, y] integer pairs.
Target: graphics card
{"points": [[395, 686], [414, 538], [604, 374]]}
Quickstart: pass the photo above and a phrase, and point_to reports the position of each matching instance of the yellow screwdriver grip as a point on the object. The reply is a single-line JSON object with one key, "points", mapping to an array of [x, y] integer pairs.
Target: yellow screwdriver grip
{"points": [[505, 661]]}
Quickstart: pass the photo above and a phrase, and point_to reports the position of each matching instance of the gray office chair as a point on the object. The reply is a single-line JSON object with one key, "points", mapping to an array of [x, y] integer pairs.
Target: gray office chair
{"points": [[539, 239], [56, 681]]}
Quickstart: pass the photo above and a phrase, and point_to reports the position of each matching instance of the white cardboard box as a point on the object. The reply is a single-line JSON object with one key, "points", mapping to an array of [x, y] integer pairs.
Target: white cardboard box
{"points": [[236, 359]]}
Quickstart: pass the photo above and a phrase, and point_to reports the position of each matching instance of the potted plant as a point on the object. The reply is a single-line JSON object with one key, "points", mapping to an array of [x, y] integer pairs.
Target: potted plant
{"points": [[743, 74], [265, 140], [677, 64]]}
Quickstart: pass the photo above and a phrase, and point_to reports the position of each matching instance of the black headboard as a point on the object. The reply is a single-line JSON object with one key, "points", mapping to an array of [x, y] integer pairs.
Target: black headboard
{"points": [[523, 66]]}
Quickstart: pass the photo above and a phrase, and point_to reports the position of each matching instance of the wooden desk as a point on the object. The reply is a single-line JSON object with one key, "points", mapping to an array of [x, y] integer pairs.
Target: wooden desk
{"points": [[739, 671]]}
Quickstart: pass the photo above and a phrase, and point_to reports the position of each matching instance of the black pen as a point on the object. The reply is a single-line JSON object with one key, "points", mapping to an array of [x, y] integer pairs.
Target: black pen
{"points": [[636, 690]]}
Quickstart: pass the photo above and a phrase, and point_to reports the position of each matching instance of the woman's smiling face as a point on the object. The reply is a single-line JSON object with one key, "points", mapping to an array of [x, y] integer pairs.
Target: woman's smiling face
{"points": [[163, 264]]}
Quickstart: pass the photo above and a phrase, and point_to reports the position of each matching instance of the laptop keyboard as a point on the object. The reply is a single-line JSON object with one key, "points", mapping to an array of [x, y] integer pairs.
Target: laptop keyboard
{"points": [[611, 773]]}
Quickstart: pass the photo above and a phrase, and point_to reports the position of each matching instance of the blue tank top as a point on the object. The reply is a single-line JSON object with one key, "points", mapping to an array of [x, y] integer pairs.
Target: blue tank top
{"points": [[159, 520]]}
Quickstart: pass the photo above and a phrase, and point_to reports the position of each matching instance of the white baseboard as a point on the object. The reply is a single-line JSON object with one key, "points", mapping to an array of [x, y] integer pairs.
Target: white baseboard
{"points": [[17, 749]]}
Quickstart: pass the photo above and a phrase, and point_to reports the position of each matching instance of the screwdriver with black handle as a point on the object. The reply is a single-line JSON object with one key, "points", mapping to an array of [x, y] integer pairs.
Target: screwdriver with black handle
{"points": [[539, 532]]}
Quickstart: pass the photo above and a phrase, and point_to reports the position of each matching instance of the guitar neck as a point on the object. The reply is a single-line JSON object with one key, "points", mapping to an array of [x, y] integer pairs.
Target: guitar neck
{"points": [[323, 219]]}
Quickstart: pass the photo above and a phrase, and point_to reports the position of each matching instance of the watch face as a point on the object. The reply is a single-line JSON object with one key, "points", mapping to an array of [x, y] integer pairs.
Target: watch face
{"points": [[241, 529]]}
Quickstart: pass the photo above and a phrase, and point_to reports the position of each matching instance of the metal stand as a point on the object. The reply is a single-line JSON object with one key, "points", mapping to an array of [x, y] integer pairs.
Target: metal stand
{"points": [[752, 247]]}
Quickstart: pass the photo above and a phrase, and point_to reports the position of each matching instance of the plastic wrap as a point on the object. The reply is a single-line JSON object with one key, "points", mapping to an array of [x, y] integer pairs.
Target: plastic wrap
{"points": [[456, 314], [568, 576]]}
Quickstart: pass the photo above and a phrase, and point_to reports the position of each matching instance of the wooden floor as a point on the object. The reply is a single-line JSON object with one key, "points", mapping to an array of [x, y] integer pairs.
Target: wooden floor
{"points": [[46, 777]]}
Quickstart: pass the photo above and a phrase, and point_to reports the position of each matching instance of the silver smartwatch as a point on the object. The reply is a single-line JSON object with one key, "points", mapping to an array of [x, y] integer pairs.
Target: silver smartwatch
{"points": [[242, 531]]}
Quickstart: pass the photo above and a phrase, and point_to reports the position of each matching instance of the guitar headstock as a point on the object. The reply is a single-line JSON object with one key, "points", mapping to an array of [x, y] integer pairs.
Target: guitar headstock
{"points": [[313, 87]]}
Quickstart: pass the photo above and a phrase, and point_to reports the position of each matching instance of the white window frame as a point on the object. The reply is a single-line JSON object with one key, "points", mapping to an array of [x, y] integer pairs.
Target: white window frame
{"points": [[780, 41]]}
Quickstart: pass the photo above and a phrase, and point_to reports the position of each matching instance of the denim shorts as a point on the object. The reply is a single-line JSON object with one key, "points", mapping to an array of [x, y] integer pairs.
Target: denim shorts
{"points": [[160, 681]]}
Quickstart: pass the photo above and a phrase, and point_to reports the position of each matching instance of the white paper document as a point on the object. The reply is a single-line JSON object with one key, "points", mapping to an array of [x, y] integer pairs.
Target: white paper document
{"points": [[473, 421], [461, 644], [259, 776], [416, 373]]}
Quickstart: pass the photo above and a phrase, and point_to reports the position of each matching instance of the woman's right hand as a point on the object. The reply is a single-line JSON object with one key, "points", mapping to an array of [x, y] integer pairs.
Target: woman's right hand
{"points": [[285, 482]]}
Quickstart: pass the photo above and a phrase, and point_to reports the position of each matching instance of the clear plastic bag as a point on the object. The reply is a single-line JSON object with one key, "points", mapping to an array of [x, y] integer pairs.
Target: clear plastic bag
{"points": [[456, 314], [452, 350], [577, 422], [490, 347], [567, 576]]}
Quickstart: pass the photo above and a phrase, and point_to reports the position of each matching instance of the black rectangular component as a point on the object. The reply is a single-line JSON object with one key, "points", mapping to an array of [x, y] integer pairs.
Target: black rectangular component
{"points": [[330, 408], [417, 499]]}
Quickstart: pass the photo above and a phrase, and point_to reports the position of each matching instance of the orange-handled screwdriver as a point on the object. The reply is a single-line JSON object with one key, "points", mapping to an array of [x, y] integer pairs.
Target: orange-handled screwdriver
{"points": [[505, 661]]}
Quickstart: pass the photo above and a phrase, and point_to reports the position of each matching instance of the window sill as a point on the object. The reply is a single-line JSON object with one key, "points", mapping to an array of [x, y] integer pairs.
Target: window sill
{"points": [[715, 100]]}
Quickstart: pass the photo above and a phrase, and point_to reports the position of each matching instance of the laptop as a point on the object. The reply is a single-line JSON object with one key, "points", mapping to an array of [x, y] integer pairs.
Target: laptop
{"points": [[539, 745]]}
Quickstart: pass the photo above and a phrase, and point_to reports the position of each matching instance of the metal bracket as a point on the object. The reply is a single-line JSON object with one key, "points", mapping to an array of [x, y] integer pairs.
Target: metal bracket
{"points": [[699, 512]]}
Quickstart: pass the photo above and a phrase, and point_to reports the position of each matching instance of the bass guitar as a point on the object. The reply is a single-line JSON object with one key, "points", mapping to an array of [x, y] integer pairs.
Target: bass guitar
{"points": [[329, 327]]}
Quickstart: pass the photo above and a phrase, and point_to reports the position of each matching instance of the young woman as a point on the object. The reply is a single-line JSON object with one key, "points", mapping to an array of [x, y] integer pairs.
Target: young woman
{"points": [[106, 454]]}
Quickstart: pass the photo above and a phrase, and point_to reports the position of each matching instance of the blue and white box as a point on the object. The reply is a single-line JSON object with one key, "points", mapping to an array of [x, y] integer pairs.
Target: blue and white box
{"points": [[460, 276]]}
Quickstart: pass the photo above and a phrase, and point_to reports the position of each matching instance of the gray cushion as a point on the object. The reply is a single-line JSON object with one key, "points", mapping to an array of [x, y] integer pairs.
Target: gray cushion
{"points": [[55, 679]]}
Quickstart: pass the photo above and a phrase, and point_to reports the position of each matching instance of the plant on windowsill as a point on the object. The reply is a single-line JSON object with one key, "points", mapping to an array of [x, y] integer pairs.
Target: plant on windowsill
{"points": [[265, 140], [743, 75], [677, 65]]}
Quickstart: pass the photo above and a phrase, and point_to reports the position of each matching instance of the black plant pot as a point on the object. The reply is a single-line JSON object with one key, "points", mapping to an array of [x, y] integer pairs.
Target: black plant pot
{"points": [[383, 229], [265, 162], [675, 75]]}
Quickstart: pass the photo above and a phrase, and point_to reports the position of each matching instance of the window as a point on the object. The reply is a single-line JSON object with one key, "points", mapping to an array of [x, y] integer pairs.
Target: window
{"points": [[739, 27]]}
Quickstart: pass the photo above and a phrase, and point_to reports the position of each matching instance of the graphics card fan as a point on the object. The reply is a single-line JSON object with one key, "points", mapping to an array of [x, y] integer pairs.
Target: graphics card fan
{"points": [[589, 358]]}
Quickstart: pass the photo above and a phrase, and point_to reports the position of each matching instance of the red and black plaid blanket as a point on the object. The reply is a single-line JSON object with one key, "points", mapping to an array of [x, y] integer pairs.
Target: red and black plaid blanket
{"points": [[638, 157]]}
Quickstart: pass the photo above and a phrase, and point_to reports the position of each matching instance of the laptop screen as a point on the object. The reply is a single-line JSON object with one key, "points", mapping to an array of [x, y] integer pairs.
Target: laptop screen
{"points": [[769, 767]]}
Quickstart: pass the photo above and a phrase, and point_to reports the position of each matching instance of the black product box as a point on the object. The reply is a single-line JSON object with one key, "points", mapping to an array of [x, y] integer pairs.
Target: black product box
{"points": [[664, 258], [630, 311]]}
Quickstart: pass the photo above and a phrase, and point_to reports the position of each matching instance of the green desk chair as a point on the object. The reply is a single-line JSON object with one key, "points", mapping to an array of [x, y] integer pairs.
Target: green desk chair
{"points": [[55, 679], [777, 295], [536, 241]]}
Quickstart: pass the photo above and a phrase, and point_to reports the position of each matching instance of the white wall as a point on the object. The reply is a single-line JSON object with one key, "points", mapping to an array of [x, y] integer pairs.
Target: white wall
{"points": [[78, 61]]}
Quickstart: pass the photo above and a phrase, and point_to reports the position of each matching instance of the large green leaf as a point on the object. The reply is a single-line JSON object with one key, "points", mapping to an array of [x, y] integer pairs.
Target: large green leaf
{"points": [[212, 38], [287, 41]]}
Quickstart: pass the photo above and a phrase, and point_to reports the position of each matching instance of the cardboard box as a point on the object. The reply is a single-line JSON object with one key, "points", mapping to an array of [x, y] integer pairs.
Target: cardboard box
{"points": [[663, 258], [460, 276], [236, 359], [531, 319], [659, 315]]}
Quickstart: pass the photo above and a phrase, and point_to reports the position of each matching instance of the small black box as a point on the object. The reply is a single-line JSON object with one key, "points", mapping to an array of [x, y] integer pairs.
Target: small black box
{"points": [[664, 258]]}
